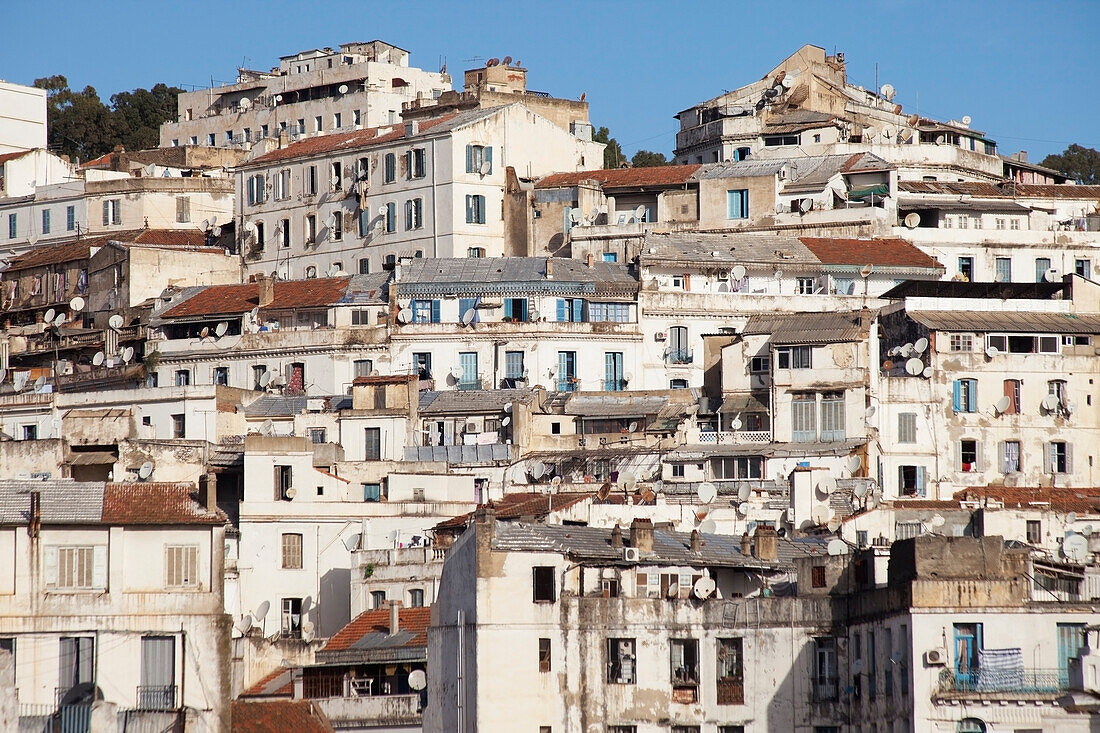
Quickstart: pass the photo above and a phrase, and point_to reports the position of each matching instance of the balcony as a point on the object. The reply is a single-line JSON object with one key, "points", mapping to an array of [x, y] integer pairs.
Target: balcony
{"points": [[1006, 683], [156, 697], [825, 689], [736, 437], [469, 384], [731, 691], [568, 384], [679, 356]]}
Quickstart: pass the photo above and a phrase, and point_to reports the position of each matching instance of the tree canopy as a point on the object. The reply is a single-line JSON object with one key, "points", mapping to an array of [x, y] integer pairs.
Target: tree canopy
{"points": [[1077, 163], [80, 125], [613, 154], [648, 159]]}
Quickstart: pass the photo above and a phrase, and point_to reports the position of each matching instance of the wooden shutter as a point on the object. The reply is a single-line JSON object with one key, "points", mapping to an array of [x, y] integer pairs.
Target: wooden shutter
{"points": [[106, 213], [469, 163], [489, 157], [99, 566], [51, 567]]}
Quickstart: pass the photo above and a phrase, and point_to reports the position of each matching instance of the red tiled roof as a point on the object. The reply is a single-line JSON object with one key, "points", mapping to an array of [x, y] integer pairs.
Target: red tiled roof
{"points": [[662, 175], [54, 254], [12, 156], [994, 191], [517, 505], [885, 252], [415, 620], [278, 716], [102, 160], [386, 379], [1083, 500], [80, 249], [154, 503], [233, 299], [167, 237], [343, 141], [279, 683]]}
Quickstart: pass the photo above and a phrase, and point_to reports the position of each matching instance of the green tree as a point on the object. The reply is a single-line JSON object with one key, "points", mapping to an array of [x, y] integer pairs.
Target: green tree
{"points": [[612, 154], [648, 159], [1077, 163], [140, 113]]}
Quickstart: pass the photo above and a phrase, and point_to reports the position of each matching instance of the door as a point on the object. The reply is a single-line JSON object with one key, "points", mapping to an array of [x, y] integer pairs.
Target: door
{"points": [[968, 639], [467, 361], [158, 673], [678, 344], [75, 662], [1071, 637], [613, 371]]}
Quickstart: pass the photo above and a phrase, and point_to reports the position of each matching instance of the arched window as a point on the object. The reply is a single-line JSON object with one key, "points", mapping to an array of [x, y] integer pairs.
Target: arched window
{"points": [[970, 725]]}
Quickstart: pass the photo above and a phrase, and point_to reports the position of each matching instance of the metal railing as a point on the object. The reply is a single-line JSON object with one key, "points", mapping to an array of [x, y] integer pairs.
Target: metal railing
{"points": [[156, 697], [1027, 681], [614, 385], [737, 437], [679, 356], [469, 384], [825, 690]]}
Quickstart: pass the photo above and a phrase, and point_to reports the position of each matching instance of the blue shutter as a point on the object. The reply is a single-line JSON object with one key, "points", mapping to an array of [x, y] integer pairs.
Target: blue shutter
{"points": [[972, 395], [469, 159], [469, 209], [489, 157], [956, 402], [608, 371], [435, 311], [567, 220], [920, 480], [562, 310], [578, 310]]}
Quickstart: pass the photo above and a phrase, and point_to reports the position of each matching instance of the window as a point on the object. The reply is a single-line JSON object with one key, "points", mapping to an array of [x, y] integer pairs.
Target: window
{"points": [[76, 659], [364, 266], [684, 669], [112, 212], [817, 576], [292, 551], [1060, 457], [157, 690], [1012, 392], [613, 380], [678, 470], [389, 168], [832, 417], [570, 310], [7, 644], [258, 371], [475, 252], [737, 467], [911, 480], [772, 141], [567, 371], [1083, 268], [211, 140], [685, 729], [760, 364], [515, 309], [311, 228], [678, 350], [1042, 264], [475, 209], [825, 669], [543, 584], [610, 257], [804, 419], [621, 662], [284, 483], [259, 235], [968, 455], [962, 342], [1034, 531], [1003, 266], [422, 364], [622, 729], [544, 655], [291, 626], [970, 725], [794, 357], [414, 161], [907, 427], [311, 180], [45, 221], [317, 436], [741, 728], [337, 229], [256, 189], [737, 204], [416, 598], [282, 185], [30, 432], [966, 268], [13, 225], [76, 568], [179, 426], [414, 214], [336, 179], [965, 398], [805, 285], [70, 218], [284, 233], [731, 681], [677, 384], [479, 159], [609, 312], [221, 376], [373, 444], [425, 311], [372, 492], [181, 566], [391, 217], [183, 377], [363, 367], [318, 123], [467, 361]]}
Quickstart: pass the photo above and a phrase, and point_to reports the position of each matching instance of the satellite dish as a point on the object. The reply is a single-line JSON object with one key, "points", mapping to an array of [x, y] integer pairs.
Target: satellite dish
{"points": [[837, 547], [39, 384], [265, 379], [1002, 404], [506, 422], [278, 97], [115, 321], [861, 490], [308, 631], [217, 231], [778, 274], [221, 329], [1075, 548], [887, 91], [457, 371], [854, 463], [827, 485], [351, 542], [538, 470], [639, 212], [245, 103], [738, 272], [707, 526], [128, 354], [382, 210], [19, 380], [966, 120], [707, 492], [704, 587], [941, 139], [1050, 402], [555, 482], [628, 481], [486, 168], [736, 423], [906, 350], [1051, 275], [870, 133], [261, 610], [205, 225], [869, 412], [291, 493], [743, 508], [744, 492], [866, 270], [250, 227], [50, 314], [146, 470], [920, 345], [404, 315], [267, 427], [244, 623], [912, 220], [417, 680], [821, 514], [1086, 530], [76, 304], [59, 320], [992, 351], [633, 426], [507, 60], [805, 205], [469, 316], [508, 407], [3, 375], [1071, 517], [343, 88], [204, 332], [937, 520], [914, 366], [97, 360], [330, 222], [833, 524]]}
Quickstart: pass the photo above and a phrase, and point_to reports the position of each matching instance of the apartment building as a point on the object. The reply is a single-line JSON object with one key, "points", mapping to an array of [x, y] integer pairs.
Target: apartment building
{"points": [[22, 119], [313, 92]]}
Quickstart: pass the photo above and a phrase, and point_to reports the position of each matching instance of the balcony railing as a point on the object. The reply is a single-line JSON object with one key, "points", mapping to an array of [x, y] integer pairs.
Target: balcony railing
{"points": [[731, 691], [825, 690], [614, 385], [567, 384], [156, 697], [737, 437], [679, 356], [469, 384], [1026, 682]]}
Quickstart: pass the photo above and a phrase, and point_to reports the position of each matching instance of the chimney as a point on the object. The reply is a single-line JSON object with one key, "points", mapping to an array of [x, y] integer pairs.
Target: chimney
{"points": [[35, 514], [395, 617], [767, 544], [412, 127], [590, 259], [746, 544], [696, 541], [616, 537], [549, 268], [1022, 156], [210, 481], [284, 139], [485, 518], [267, 290], [641, 535]]}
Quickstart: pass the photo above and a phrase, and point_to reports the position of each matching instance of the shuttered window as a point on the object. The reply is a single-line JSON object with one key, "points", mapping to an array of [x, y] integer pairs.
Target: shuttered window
{"points": [[907, 427], [292, 551], [76, 567], [181, 566]]}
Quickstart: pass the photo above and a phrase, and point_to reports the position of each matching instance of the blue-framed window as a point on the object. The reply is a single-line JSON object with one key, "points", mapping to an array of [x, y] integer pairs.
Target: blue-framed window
{"points": [[425, 311], [737, 204]]}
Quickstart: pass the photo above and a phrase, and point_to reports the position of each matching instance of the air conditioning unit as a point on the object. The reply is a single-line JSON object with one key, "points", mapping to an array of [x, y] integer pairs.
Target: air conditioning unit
{"points": [[660, 336], [631, 554], [935, 657]]}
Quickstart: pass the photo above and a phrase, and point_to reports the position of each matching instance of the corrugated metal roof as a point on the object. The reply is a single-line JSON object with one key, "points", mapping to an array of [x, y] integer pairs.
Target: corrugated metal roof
{"points": [[732, 249], [498, 274], [469, 402], [1008, 321], [615, 404], [807, 328]]}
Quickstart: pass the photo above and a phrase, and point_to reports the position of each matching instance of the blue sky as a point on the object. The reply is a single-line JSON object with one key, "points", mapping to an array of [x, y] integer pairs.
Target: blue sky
{"points": [[1022, 70]]}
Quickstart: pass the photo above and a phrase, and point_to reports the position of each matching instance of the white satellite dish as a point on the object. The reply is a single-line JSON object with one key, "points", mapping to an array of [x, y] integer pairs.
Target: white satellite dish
{"points": [[97, 360], [1075, 548], [128, 354], [744, 492], [707, 526], [639, 212], [146, 470], [887, 91], [555, 482], [928, 372], [468, 316], [204, 332], [866, 270], [59, 320], [291, 493], [404, 315], [278, 97], [628, 481], [854, 463], [251, 227], [538, 470], [736, 423], [707, 492], [221, 329], [76, 304], [351, 542], [417, 680], [1002, 404], [330, 221], [920, 345], [632, 427], [837, 547], [19, 380], [704, 587], [1050, 402], [778, 274], [50, 314], [966, 120], [217, 232], [308, 631], [738, 272], [261, 610], [507, 406], [869, 412], [857, 666], [1086, 530], [833, 524], [937, 520], [506, 422], [343, 88], [827, 485], [861, 490], [115, 321], [265, 379], [244, 623], [485, 168], [267, 427], [743, 508], [39, 384], [3, 375], [245, 103], [457, 371], [914, 366], [992, 351], [1052, 275], [382, 210], [821, 514], [912, 220]]}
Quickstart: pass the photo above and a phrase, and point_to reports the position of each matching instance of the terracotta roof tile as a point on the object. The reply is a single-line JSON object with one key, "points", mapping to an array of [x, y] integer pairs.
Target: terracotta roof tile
{"points": [[415, 620], [12, 156], [155, 503], [982, 189], [278, 716], [103, 160], [887, 252], [79, 249], [519, 505], [663, 175], [234, 299], [1083, 500], [343, 141], [278, 683]]}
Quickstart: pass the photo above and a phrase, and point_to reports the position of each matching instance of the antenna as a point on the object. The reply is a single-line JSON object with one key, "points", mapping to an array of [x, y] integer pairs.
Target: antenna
{"points": [[146, 470], [97, 360], [221, 329], [707, 492], [115, 322], [912, 220]]}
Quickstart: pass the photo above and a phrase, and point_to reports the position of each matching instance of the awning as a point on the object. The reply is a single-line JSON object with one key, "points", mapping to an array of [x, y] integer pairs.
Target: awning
{"points": [[92, 458], [743, 403], [858, 194]]}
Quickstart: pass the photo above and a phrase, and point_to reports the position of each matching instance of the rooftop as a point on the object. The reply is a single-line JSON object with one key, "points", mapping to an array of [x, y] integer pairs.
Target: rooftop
{"points": [[1002, 190], [977, 290], [517, 506], [808, 328], [81, 249], [499, 274], [371, 630], [465, 402], [889, 252], [269, 716], [664, 175], [216, 300], [1007, 321], [91, 502]]}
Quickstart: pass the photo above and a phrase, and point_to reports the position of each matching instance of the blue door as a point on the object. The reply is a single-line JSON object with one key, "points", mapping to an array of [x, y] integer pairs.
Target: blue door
{"points": [[1071, 637], [968, 640]]}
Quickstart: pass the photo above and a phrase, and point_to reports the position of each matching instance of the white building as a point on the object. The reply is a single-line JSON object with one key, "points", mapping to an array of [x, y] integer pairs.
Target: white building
{"points": [[22, 118], [312, 92]]}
